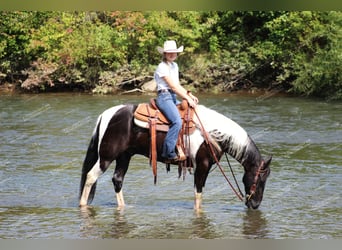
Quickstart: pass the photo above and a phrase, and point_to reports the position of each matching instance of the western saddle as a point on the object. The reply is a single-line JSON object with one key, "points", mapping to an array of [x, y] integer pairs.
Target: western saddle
{"points": [[147, 115]]}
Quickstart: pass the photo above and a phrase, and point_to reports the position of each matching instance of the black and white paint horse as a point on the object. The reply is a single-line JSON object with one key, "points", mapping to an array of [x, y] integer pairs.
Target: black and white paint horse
{"points": [[117, 137]]}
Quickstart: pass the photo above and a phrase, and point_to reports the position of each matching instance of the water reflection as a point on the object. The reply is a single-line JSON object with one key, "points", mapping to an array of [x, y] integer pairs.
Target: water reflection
{"points": [[203, 227], [254, 224], [87, 215], [87, 212], [96, 226], [120, 228], [119, 225]]}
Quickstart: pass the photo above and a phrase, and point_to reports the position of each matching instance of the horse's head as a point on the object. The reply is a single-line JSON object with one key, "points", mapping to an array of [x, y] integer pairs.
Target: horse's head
{"points": [[255, 181]]}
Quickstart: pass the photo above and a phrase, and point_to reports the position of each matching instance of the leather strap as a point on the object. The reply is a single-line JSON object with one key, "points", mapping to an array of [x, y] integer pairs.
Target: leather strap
{"points": [[152, 121]]}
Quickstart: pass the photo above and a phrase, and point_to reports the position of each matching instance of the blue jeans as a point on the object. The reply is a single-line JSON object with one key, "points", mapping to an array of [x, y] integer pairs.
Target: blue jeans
{"points": [[166, 102]]}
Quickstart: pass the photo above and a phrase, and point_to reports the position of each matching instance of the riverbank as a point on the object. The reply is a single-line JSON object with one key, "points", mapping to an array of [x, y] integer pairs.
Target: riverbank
{"points": [[7, 88], [215, 83], [146, 88]]}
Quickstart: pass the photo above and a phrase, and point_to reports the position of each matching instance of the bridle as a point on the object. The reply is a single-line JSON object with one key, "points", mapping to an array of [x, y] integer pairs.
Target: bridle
{"points": [[260, 170]]}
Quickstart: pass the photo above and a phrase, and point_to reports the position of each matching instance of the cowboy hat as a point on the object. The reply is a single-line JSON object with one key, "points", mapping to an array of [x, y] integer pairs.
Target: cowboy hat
{"points": [[170, 47]]}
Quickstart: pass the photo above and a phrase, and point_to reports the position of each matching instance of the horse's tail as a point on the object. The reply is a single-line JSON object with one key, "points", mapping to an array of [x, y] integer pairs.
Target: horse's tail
{"points": [[90, 160]]}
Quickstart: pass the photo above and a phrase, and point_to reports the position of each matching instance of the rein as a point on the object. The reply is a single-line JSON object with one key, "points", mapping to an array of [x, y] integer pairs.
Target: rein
{"points": [[206, 137], [231, 170]]}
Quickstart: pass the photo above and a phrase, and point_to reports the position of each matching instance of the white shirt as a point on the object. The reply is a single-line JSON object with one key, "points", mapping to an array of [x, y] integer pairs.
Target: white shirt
{"points": [[166, 69]]}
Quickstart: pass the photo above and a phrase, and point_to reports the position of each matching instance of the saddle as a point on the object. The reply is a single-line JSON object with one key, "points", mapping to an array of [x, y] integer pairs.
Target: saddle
{"points": [[147, 115], [147, 111]]}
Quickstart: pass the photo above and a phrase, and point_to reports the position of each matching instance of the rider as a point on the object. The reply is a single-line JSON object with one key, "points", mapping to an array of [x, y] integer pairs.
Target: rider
{"points": [[168, 86]]}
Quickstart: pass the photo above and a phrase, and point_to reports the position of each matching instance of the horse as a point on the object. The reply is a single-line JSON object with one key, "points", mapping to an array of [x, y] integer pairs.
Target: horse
{"points": [[117, 137]]}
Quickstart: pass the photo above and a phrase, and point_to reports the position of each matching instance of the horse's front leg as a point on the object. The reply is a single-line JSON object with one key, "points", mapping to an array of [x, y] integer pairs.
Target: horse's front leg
{"points": [[200, 177], [198, 200], [122, 163]]}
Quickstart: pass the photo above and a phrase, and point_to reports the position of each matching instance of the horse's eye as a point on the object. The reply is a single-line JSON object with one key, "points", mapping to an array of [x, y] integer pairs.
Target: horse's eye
{"points": [[264, 173]]}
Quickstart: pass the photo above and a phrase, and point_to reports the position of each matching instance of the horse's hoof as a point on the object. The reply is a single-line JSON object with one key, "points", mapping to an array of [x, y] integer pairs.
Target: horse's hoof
{"points": [[83, 204]]}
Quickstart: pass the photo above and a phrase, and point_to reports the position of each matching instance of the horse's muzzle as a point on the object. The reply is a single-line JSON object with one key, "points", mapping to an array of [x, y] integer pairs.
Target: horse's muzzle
{"points": [[250, 203]]}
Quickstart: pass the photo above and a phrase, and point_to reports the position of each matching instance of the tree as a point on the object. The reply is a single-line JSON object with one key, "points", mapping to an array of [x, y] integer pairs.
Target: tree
{"points": [[298, 51]]}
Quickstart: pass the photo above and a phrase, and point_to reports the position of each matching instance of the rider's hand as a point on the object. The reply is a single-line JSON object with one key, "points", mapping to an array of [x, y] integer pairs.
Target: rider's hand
{"points": [[192, 102]]}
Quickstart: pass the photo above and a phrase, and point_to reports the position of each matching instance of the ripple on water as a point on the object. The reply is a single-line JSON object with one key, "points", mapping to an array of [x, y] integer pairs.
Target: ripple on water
{"points": [[41, 159]]}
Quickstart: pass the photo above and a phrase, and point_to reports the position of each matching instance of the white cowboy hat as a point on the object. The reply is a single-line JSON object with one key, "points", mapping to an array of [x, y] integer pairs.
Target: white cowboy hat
{"points": [[170, 47]]}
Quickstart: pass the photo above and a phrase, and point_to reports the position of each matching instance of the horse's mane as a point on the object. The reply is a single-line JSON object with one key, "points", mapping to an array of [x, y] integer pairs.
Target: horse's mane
{"points": [[231, 137]]}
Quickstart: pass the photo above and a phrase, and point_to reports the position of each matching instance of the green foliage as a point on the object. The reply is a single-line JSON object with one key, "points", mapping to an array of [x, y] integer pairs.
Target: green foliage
{"points": [[15, 32], [299, 51], [319, 70], [309, 51], [81, 45]]}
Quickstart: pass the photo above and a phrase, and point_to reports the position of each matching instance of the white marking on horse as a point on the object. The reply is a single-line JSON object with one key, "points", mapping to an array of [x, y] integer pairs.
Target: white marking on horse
{"points": [[223, 129], [92, 176], [106, 116], [96, 171]]}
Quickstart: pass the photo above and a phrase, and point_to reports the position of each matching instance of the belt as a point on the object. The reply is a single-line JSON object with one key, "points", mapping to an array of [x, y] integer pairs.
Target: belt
{"points": [[164, 91]]}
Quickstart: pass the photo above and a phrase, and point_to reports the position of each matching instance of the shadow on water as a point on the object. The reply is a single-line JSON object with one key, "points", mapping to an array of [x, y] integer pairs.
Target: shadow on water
{"points": [[254, 225]]}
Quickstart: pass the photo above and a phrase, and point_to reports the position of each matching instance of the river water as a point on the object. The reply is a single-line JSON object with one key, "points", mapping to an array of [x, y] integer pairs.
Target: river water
{"points": [[44, 140]]}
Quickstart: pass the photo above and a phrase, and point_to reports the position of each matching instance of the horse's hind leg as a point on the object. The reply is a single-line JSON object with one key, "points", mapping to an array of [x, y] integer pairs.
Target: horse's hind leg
{"points": [[97, 170], [122, 163]]}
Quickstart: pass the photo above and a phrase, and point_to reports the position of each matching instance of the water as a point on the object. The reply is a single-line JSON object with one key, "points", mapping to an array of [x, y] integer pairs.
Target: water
{"points": [[44, 140]]}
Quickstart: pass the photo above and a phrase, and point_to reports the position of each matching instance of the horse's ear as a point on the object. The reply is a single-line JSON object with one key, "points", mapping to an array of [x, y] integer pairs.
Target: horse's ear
{"points": [[268, 161]]}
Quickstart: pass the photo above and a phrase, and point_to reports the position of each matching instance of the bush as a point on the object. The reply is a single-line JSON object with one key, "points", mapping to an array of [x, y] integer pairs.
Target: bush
{"points": [[298, 51]]}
